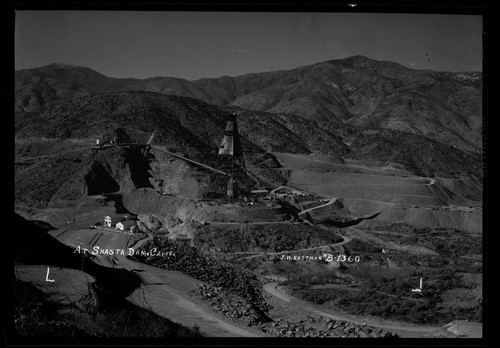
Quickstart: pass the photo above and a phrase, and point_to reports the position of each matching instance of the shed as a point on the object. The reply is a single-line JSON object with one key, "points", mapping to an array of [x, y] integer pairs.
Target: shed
{"points": [[125, 225], [110, 220]]}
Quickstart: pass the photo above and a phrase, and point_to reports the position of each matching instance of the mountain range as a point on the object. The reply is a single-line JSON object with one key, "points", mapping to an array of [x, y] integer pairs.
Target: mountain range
{"points": [[355, 91], [64, 131], [350, 109]]}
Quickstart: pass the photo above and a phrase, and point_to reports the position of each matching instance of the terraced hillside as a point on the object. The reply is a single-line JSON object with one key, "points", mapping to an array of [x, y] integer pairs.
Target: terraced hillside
{"points": [[58, 138], [392, 193]]}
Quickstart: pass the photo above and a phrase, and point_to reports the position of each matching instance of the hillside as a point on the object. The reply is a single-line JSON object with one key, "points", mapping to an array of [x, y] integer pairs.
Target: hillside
{"points": [[88, 301], [66, 130], [31, 245], [370, 160], [372, 94], [359, 91]]}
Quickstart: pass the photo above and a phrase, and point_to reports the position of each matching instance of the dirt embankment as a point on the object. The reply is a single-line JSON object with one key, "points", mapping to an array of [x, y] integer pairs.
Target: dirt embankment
{"points": [[243, 238], [67, 286], [383, 188], [73, 305], [176, 177], [176, 213], [150, 201], [68, 172], [463, 187], [378, 181], [470, 221]]}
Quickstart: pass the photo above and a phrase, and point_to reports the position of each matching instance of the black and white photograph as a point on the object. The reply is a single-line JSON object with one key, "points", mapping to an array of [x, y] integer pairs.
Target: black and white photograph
{"points": [[311, 176]]}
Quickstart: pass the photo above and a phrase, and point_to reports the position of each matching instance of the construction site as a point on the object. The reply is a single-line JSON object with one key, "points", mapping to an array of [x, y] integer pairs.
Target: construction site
{"points": [[260, 236], [189, 174]]}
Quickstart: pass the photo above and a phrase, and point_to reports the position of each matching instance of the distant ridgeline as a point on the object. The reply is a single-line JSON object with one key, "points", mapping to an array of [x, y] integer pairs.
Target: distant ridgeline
{"points": [[354, 108], [359, 91]]}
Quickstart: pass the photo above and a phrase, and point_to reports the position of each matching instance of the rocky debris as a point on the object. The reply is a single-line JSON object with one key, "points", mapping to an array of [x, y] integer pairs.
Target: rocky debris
{"points": [[237, 309], [151, 221], [171, 222], [229, 304], [89, 301], [237, 294], [142, 227], [232, 279], [349, 329], [462, 328], [188, 228], [332, 328]]}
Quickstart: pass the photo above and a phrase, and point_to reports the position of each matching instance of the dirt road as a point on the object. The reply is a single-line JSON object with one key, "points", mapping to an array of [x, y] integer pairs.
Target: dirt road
{"points": [[346, 239], [251, 223], [402, 330], [163, 292], [330, 202]]}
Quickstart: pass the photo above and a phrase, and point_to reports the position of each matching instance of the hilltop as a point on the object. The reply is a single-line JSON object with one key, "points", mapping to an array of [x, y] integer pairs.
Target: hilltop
{"points": [[358, 91]]}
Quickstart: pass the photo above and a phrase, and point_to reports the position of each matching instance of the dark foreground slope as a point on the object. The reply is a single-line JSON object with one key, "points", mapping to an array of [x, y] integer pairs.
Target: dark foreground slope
{"points": [[102, 311], [31, 245]]}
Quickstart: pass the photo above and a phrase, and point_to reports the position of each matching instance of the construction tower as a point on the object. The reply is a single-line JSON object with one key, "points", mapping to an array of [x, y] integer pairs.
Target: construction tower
{"points": [[230, 160]]}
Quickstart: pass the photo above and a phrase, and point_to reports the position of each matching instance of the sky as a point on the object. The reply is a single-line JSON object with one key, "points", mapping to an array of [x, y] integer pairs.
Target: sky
{"points": [[195, 45]]}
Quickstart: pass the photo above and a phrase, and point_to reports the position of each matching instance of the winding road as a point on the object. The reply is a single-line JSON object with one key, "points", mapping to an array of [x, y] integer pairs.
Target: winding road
{"points": [[330, 202], [346, 239], [163, 292], [166, 292], [405, 331]]}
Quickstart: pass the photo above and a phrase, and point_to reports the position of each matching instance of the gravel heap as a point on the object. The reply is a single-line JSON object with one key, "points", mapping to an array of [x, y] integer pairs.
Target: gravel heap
{"points": [[332, 328], [237, 309], [188, 260], [237, 294], [228, 304]]}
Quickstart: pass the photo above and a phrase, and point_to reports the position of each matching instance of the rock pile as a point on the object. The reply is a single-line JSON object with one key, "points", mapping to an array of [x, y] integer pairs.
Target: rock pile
{"points": [[190, 261], [239, 310], [349, 329], [332, 328], [228, 304], [151, 221], [237, 294]]}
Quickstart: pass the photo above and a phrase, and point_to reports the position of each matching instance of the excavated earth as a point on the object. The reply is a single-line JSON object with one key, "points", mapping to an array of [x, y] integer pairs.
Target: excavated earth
{"points": [[365, 189]]}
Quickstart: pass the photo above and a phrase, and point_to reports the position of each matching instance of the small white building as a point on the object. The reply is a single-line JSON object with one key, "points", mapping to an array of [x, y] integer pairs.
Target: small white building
{"points": [[108, 221], [112, 220], [127, 225]]}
